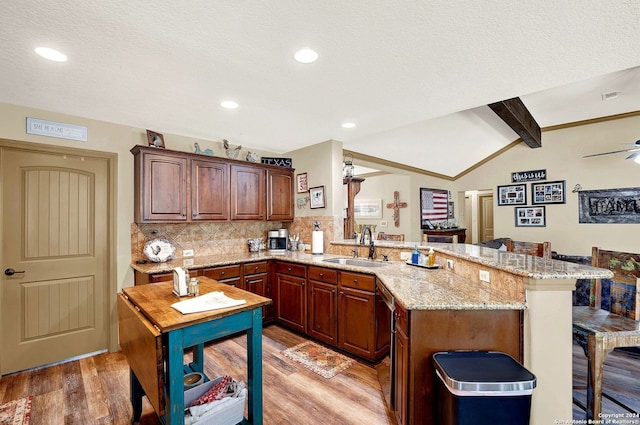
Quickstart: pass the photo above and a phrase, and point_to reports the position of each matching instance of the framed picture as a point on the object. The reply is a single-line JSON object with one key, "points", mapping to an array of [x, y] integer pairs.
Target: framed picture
{"points": [[530, 216], [367, 208], [548, 192], [434, 205], [317, 197], [155, 139], [302, 183], [515, 194]]}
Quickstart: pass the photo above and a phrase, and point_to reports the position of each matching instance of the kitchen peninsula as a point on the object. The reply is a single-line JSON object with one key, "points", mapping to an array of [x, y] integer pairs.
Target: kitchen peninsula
{"points": [[523, 310]]}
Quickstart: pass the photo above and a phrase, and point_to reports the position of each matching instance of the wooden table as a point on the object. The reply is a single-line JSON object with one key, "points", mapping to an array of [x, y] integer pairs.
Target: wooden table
{"points": [[154, 334], [459, 232], [598, 332]]}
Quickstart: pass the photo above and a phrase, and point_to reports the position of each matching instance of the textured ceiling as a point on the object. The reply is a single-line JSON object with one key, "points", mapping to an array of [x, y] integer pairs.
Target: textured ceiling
{"points": [[414, 76]]}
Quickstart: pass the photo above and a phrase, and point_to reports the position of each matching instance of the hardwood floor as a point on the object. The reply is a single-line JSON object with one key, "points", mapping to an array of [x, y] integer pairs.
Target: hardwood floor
{"points": [[621, 380], [95, 390]]}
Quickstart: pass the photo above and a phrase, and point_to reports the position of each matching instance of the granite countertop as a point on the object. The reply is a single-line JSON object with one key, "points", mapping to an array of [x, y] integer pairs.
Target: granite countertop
{"points": [[517, 264], [417, 288]]}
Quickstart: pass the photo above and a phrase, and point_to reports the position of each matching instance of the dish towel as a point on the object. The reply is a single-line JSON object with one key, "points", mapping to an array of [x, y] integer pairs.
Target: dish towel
{"points": [[210, 301]]}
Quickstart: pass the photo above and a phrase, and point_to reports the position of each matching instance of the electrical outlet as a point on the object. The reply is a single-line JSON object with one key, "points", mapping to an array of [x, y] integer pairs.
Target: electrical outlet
{"points": [[187, 252], [484, 275], [307, 247], [405, 255], [383, 223], [450, 264], [187, 262]]}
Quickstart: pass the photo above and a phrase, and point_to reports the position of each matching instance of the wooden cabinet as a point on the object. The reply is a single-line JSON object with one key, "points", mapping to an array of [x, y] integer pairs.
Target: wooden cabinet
{"points": [[422, 333], [256, 280], [291, 306], [248, 193], [231, 275], [323, 307], [357, 316], [174, 187], [146, 278], [209, 190], [280, 192], [161, 186]]}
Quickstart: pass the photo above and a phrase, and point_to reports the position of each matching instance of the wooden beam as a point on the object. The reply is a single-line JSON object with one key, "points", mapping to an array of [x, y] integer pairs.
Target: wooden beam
{"points": [[518, 117]]}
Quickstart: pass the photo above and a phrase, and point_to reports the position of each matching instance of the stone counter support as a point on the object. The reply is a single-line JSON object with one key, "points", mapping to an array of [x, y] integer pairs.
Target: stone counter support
{"points": [[548, 348]]}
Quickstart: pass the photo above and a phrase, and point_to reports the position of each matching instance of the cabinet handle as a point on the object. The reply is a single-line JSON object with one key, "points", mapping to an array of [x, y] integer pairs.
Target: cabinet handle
{"points": [[341, 292], [302, 283], [355, 281], [288, 269], [221, 273], [321, 274], [333, 291]]}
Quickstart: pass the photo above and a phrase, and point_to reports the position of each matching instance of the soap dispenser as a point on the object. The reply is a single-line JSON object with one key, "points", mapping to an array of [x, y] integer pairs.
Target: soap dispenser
{"points": [[432, 258], [415, 256]]}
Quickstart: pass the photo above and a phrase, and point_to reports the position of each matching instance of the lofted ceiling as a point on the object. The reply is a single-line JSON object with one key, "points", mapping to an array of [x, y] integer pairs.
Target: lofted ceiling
{"points": [[413, 76]]}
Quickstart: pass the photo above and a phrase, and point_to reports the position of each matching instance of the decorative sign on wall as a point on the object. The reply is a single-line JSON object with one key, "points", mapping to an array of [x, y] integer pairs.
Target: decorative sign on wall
{"points": [[59, 130], [282, 162], [528, 176], [610, 205], [396, 205]]}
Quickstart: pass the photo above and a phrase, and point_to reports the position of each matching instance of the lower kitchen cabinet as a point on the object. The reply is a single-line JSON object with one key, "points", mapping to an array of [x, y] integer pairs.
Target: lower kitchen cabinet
{"points": [[231, 275], [256, 280], [291, 307], [421, 333], [356, 317], [323, 307]]}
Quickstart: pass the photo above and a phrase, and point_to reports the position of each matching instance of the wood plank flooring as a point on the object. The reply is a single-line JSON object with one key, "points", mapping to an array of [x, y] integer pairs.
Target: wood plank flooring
{"points": [[95, 390]]}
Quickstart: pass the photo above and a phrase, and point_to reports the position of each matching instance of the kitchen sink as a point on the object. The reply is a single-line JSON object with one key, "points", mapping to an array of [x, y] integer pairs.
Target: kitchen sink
{"points": [[355, 262]]}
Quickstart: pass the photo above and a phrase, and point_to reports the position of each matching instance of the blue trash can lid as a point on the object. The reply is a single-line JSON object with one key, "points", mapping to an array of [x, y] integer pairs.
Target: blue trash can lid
{"points": [[483, 371]]}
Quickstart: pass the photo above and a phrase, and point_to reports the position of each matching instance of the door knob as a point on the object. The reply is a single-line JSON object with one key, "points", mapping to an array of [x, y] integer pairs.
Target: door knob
{"points": [[11, 272]]}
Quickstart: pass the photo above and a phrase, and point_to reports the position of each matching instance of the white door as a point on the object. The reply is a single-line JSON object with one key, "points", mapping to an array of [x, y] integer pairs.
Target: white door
{"points": [[54, 305]]}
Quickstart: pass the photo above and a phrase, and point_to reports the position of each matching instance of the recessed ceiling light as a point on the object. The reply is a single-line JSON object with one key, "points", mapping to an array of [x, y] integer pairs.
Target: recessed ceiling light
{"points": [[306, 56], [51, 54], [348, 125], [229, 104]]}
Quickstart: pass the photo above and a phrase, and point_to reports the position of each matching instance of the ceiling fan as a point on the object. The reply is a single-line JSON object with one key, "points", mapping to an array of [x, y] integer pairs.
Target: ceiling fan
{"points": [[634, 147]]}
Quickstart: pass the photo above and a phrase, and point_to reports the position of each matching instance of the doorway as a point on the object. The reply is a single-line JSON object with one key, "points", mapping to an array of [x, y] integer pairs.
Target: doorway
{"points": [[58, 227]]}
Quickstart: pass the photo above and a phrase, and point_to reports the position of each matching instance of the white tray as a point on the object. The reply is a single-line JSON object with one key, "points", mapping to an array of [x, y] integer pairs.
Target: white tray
{"points": [[435, 266]]}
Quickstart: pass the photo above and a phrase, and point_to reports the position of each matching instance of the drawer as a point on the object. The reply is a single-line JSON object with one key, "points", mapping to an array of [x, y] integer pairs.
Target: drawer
{"points": [[402, 319], [364, 282], [255, 268], [161, 277], [299, 270], [322, 274], [224, 272]]}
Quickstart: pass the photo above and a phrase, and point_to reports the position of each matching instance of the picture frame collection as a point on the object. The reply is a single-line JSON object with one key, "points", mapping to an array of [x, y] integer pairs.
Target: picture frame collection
{"points": [[542, 193]]}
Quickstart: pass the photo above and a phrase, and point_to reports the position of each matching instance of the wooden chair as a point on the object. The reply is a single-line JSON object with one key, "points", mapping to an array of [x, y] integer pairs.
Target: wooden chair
{"points": [[598, 331], [537, 249], [382, 236]]}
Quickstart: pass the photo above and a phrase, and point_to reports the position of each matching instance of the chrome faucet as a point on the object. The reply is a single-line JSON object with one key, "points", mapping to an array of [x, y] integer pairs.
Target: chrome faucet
{"points": [[372, 249]]}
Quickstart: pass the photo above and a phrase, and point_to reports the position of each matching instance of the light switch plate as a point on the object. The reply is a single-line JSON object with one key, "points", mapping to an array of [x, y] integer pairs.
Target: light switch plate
{"points": [[405, 255]]}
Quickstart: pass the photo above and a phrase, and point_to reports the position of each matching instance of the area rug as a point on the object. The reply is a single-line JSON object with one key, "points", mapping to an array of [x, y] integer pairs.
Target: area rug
{"points": [[318, 359], [16, 412]]}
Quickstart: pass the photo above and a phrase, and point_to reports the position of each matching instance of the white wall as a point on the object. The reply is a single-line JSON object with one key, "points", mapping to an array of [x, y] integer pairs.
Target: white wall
{"points": [[561, 155]]}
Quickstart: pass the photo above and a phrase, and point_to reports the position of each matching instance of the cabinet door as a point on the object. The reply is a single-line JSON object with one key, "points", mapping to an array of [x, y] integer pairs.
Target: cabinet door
{"points": [[292, 301], [356, 322], [401, 365], [256, 283], [323, 311], [248, 197], [209, 190], [162, 184], [280, 195]]}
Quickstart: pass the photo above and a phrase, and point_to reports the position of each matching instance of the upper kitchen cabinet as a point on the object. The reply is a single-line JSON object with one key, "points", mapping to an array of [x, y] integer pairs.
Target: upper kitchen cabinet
{"points": [[209, 190], [248, 193], [161, 186], [280, 194], [173, 187]]}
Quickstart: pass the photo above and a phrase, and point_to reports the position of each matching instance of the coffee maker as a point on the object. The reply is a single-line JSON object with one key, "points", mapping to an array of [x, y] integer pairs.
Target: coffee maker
{"points": [[277, 241]]}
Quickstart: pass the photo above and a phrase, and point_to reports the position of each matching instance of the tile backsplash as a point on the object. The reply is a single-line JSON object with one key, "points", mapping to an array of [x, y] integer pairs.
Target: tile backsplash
{"points": [[212, 238]]}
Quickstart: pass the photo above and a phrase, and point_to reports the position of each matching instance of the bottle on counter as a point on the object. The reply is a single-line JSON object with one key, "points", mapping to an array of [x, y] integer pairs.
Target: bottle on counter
{"points": [[415, 256], [194, 288], [432, 258]]}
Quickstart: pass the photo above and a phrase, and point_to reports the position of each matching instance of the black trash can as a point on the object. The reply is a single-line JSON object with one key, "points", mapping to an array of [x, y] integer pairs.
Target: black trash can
{"points": [[482, 387]]}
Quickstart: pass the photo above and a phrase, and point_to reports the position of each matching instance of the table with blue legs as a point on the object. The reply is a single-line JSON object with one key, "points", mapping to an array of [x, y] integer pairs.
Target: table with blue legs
{"points": [[154, 336]]}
